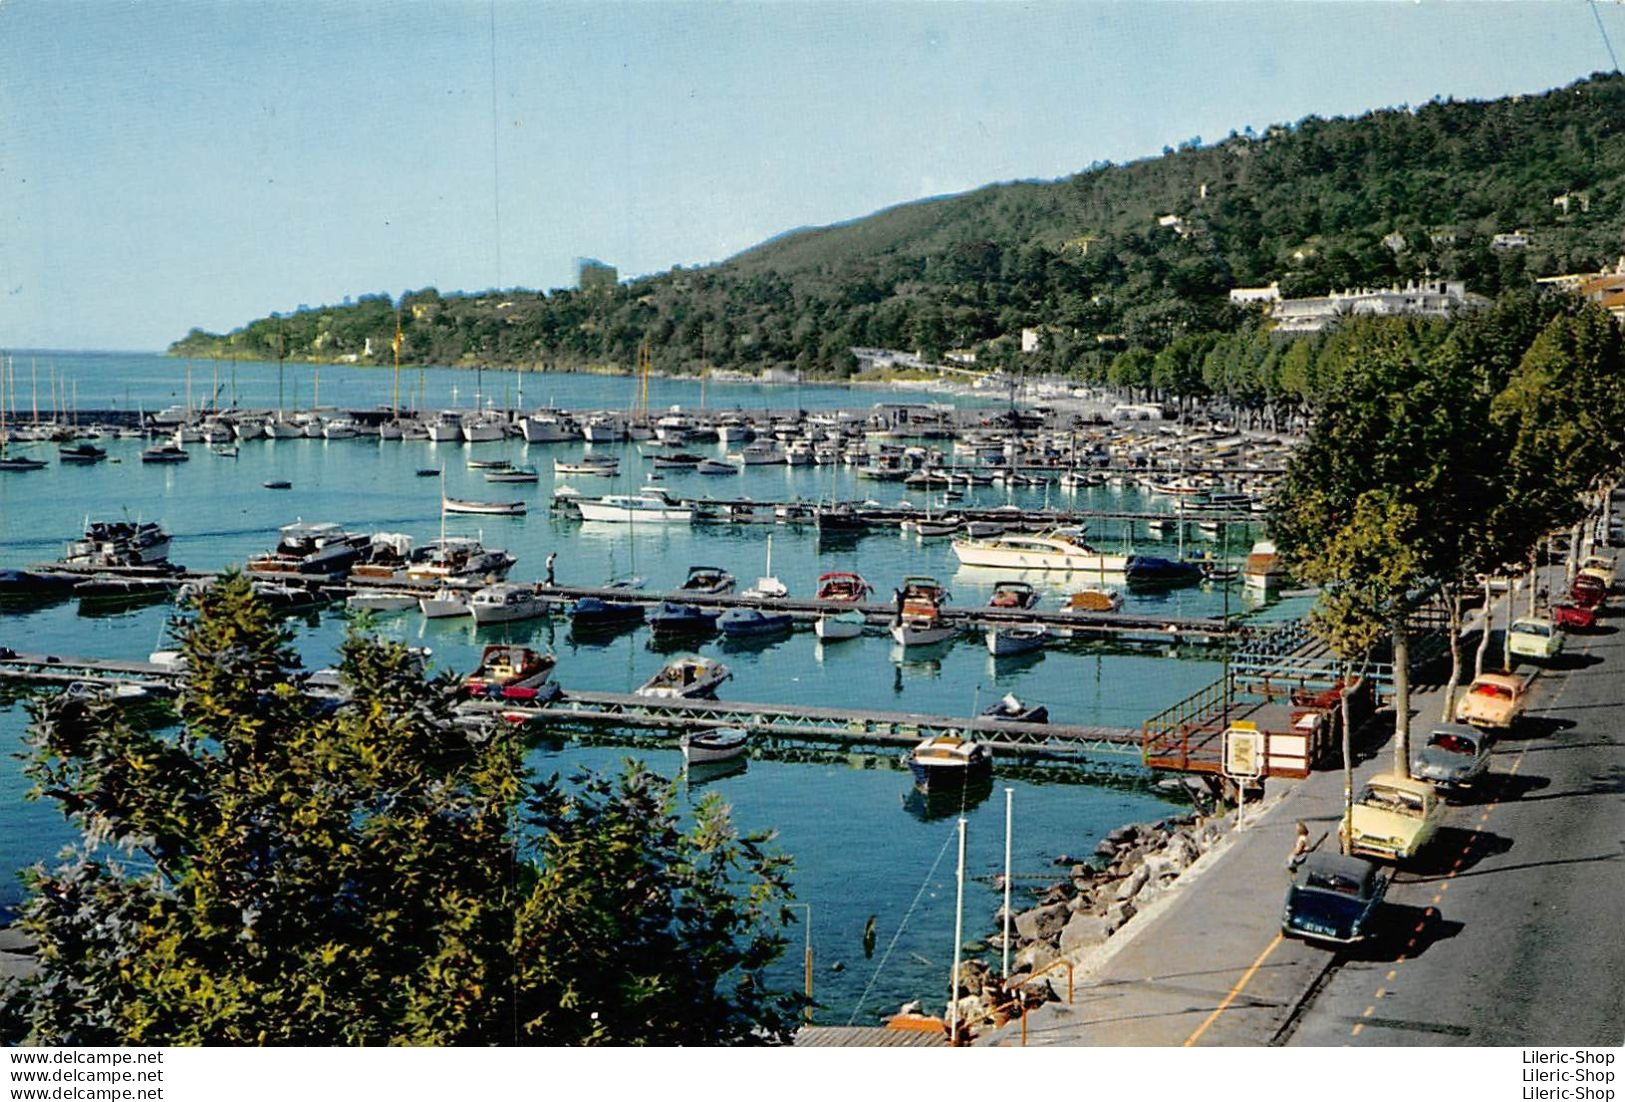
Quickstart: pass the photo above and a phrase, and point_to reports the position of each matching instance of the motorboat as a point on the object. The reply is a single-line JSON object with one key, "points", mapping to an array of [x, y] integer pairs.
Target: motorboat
{"points": [[1092, 598], [460, 559], [340, 428], [602, 466], [281, 428], [758, 453], [1148, 570], [939, 527], [740, 622], [33, 583], [949, 761], [482, 508], [513, 474], [604, 428], [446, 603], [509, 672], [225, 451], [121, 587], [21, 463], [707, 581], [546, 428], [383, 601], [634, 508], [1057, 550], [277, 484], [839, 518], [1011, 709], [721, 744], [165, 453], [832, 627], [715, 466], [593, 613], [675, 461], [1022, 639], [385, 558], [842, 586], [670, 618], [506, 602], [288, 599], [484, 428], [686, 678], [1262, 571], [1013, 596], [119, 543], [81, 453], [919, 619], [489, 464], [446, 426], [313, 550]]}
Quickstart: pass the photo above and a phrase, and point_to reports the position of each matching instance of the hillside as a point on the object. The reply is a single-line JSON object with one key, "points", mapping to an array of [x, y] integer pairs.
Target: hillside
{"points": [[1094, 259]]}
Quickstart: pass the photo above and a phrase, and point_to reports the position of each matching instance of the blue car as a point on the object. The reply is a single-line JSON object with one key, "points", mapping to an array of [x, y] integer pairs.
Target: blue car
{"points": [[1333, 899]]}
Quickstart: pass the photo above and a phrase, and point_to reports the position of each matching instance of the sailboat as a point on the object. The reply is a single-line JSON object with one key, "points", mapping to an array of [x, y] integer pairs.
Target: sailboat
{"points": [[12, 462], [768, 585], [393, 429]]}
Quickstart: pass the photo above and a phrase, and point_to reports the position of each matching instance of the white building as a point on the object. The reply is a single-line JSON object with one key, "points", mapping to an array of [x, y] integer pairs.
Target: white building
{"points": [[1030, 340], [1246, 296], [1432, 299]]}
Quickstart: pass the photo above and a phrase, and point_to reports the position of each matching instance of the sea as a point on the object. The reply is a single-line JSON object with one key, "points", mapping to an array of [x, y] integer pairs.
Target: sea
{"points": [[865, 845]]}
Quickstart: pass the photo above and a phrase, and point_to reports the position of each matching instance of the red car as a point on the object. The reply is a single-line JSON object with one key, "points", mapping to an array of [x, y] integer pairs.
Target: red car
{"points": [[1588, 591], [1574, 616]]}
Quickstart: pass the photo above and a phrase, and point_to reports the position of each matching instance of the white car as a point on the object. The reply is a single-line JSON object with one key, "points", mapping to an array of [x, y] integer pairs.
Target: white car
{"points": [[1535, 637]]}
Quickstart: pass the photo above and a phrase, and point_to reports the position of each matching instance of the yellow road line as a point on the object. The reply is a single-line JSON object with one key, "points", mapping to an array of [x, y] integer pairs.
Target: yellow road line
{"points": [[1246, 978]]}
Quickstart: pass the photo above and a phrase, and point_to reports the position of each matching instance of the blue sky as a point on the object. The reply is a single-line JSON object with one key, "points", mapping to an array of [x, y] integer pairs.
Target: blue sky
{"points": [[169, 164]]}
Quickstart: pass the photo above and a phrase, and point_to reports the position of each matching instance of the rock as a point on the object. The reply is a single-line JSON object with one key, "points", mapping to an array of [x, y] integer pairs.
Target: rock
{"points": [[1131, 886], [1105, 848], [974, 976], [1033, 957], [1084, 931], [1064, 859], [837, 967], [1041, 922], [1082, 872], [1123, 834], [1157, 866], [1055, 893], [1119, 913]]}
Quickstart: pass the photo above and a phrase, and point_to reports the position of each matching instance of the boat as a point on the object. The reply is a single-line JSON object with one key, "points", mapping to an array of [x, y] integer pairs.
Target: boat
{"points": [[842, 586], [546, 428], [1092, 598], [340, 428], [119, 543], [482, 508], [506, 602], [768, 586], [1152, 570], [81, 453], [759, 453], [311, 550], [831, 627], [510, 672], [1060, 549], [1022, 639], [33, 583], [686, 678], [428, 472], [744, 622], [1013, 595], [384, 560], [382, 602], [934, 529], [603, 466], [446, 426], [604, 428], [225, 451], [839, 518], [919, 613], [165, 453], [715, 466], [20, 463], [483, 428], [707, 581], [489, 464], [1010, 709], [513, 474], [949, 761], [287, 599], [676, 461], [277, 484], [121, 587], [670, 618], [459, 559], [721, 744], [627, 508], [593, 613], [446, 603]]}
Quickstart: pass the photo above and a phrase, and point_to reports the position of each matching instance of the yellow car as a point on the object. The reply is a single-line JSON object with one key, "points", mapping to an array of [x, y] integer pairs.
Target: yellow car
{"points": [[1493, 700], [1393, 818], [1534, 637], [1600, 567]]}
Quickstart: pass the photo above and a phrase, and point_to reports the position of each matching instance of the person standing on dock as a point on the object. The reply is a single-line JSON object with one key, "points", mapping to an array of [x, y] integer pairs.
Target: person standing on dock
{"points": [[552, 557]]}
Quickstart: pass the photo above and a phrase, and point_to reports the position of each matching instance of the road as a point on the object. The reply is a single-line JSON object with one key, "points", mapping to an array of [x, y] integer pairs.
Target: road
{"points": [[1511, 935]]}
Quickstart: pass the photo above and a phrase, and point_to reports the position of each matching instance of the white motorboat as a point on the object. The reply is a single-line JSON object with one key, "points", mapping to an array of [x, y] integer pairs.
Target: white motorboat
{"points": [[686, 678], [280, 428], [722, 744], [604, 428], [505, 602], [919, 620], [1003, 642], [248, 428], [341, 428], [1057, 550], [948, 761], [513, 474], [482, 508], [460, 559], [715, 466], [381, 602], [446, 426], [630, 508], [484, 428], [310, 549], [607, 466], [707, 581], [119, 543], [760, 453], [546, 428], [446, 602], [832, 627]]}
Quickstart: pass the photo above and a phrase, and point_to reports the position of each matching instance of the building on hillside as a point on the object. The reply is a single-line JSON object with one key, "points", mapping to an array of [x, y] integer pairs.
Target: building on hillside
{"points": [[1031, 340], [1606, 288], [1504, 241], [1247, 296], [595, 275], [1431, 299], [1395, 242]]}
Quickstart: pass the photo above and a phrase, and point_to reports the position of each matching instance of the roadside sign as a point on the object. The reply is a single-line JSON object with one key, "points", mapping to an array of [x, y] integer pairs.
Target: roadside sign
{"points": [[1243, 751]]}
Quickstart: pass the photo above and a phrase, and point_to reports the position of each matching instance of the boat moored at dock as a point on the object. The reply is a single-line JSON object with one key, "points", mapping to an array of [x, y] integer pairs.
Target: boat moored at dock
{"points": [[313, 550], [505, 602], [945, 762], [1056, 550], [688, 678]]}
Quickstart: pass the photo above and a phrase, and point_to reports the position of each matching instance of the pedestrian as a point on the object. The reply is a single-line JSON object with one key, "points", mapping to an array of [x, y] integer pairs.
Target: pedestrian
{"points": [[1300, 849], [552, 557]]}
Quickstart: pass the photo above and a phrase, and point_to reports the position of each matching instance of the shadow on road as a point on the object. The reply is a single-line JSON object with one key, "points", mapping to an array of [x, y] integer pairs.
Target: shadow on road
{"points": [[1453, 850], [1534, 728], [1503, 787], [1404, 931], [1570, 661]]}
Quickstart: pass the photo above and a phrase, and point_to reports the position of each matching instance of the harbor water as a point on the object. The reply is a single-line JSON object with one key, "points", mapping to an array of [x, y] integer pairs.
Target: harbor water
{"points": [[864, 843]]}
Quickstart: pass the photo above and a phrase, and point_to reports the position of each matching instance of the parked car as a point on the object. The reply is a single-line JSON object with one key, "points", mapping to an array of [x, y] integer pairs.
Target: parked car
{"points": [[1588, 590], [1534, 637], [1452, 757], [1393, 818], [1493, 700], [1601, 567], [1333, 899], [1577, 617]]}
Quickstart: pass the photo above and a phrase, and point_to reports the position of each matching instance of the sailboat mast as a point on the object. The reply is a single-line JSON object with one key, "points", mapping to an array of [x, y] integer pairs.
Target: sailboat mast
{"points": [[395, 401]]}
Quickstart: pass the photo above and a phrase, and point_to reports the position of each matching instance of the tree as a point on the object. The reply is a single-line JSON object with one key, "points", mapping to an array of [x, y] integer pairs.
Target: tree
{"points": [[294, 874]]}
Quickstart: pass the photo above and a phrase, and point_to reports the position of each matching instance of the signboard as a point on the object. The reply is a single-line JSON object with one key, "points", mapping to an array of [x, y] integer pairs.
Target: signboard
{"points": [[1243, 751]]}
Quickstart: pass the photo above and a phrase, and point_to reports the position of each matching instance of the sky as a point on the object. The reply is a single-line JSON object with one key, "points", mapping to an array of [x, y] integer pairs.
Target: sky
{"points": [[166, 164]]}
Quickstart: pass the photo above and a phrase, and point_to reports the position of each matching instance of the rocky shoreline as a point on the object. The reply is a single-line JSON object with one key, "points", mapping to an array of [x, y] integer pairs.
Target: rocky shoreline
{"points": [[1074, 919]]}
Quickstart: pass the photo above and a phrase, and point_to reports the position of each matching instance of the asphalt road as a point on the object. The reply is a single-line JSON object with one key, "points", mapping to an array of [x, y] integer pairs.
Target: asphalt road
{"points": [[1510, 935]]}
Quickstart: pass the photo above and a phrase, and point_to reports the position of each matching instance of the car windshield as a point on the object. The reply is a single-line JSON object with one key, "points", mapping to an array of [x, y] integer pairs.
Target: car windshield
{"points": [[1327, 881], [1490, 688], [1531, 627], [1451, 743]]}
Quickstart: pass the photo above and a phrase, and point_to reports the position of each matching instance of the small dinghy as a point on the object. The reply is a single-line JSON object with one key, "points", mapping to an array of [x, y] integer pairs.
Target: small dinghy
{"points": [[722, 744], [1011, 709]]}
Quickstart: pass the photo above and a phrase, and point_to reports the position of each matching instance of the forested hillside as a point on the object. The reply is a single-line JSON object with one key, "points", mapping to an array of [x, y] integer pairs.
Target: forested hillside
{"points": [[1094, 260]]}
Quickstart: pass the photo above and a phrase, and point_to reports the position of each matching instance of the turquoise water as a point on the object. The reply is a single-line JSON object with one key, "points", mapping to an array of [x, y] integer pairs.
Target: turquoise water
{"points": [[862, 843]]}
